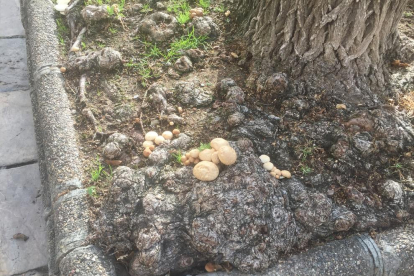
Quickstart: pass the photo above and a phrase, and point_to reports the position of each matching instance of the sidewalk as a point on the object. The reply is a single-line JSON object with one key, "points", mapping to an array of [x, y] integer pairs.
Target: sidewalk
{"points": [[21, 207]]}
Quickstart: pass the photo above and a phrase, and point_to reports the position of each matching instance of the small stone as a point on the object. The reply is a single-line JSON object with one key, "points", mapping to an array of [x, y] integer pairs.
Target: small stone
{"points": [[160, 6], [340, 106], [62, 69], [234, 55], [227, 13]]}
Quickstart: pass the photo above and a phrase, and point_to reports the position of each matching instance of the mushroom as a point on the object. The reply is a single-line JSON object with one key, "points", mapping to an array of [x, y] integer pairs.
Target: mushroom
{"points": [[151, 147], [62, 69], [150, 136], [194, 153], [168, 135], [146, 144], [286, 174], [268, 166], [264, 158], [196, 161], [183, 159], [187, 163], [159, 140], [191, 159], [214, 158], [278, 172], [205, 155], [227, 155], [206, 171], [176, 131], [180, 109], [217, 143], [147, 152], [187, 155]]}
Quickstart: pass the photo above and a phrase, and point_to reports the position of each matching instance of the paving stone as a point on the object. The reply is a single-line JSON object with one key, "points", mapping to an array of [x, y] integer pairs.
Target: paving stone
{"points": [[13, 68], [21, 212], [17, 138], [10, 17]]}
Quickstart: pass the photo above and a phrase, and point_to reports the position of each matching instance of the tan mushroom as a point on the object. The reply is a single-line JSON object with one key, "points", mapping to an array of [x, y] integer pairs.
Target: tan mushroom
{"points": [[147, 152], [227, 155], [214, 158], [205, 155], [168, 135], [159, 140], [150, 136], [176, 131], [151, 147], [196, 161], [286, 174], [206, 171], [183, 159], [146, 144], [194, 153], [191, 159], [217, 143]]}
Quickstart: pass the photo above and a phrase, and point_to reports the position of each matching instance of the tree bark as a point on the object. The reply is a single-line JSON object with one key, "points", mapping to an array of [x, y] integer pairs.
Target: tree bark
{"points": [[340, 47]]}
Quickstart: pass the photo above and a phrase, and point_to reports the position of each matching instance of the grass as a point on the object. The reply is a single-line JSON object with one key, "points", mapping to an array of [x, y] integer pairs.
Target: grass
{"points": [[146, 8], [186, 42], [177, 156], [98, 171], [306, 151], [204, 146], [63, 31], [183, 17], [205, 4], [112, 30], [181, 8], [91, 190], [220, 8]]}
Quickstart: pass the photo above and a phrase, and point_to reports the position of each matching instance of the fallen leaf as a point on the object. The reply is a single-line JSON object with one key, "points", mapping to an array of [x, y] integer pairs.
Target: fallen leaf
{"points": [[20, 236]]}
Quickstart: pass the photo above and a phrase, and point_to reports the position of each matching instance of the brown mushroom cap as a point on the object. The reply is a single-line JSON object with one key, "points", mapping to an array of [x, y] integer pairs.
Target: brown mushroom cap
{"points": [[147, 152], [206, 171], [205, 155], [217, 143], [227, 155], [183, 159], [176, 131]]}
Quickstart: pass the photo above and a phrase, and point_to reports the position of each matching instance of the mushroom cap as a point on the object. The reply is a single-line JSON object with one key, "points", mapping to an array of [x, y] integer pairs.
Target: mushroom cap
{"points": [[176, 131], [183, 158], [191, 159], [146, 144], [151, 135], [278, 172], [217, 143], [214, 158], [268, 166], [227, 155], [194, 153], [205, 155], [152, 147], [168, 135], [159, 140], [147, 152], [206, 171], [286, 174], [264, 158]]}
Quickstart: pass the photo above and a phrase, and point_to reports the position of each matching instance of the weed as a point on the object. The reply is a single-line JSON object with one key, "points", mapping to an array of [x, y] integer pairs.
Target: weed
{"points": [[100, 45], [112, 30], [146, 8], [181, 9], [183, 17], [96, 173], [205, 4], [204, 146], [63, 31], [177, 156], [307, 151], [154, 51], [111, 10], [408, 14], [220, 8], [91, 190], [305, 169], [83, 45]]}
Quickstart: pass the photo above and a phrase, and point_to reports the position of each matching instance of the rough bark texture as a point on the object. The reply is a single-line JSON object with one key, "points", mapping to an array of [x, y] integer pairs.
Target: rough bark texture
{"points": [[336, 46]]}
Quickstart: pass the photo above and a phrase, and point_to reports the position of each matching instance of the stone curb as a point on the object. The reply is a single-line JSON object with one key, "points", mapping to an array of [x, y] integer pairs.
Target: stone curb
{"points": [[64, 199]]}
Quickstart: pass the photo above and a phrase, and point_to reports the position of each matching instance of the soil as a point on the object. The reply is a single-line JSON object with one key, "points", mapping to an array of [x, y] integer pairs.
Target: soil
{"points": [[122, 108]]}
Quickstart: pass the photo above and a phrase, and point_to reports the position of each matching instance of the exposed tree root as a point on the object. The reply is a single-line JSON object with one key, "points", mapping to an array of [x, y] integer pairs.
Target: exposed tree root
{"points": [[76, 46]]}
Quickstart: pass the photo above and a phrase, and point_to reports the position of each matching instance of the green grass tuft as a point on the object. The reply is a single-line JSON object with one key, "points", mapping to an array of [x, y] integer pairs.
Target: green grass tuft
{"points": [[204, 146]]}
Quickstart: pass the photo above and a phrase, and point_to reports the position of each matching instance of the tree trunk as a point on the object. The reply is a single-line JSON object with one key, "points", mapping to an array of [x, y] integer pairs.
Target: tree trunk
{"points": [[340, 47]]}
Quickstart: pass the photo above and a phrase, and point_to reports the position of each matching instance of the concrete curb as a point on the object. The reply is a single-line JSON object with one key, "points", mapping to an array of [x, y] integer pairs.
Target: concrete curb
{"points": [[61, 175]]}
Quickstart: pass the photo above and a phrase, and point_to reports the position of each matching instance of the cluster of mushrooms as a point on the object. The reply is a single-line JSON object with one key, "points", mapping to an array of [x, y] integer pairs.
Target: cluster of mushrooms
{"points": [[196, 12], [152, 139], [272, 168], [206, 161]]}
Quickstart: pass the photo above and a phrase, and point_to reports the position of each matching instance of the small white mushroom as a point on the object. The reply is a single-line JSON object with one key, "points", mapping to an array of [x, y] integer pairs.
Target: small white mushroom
{"points": [[146, 144], [206, 171], [227, 155], [264, 158], [151, 135], [268, 166], [159, 140], [61, 7], [168, 135], [205, 155]]}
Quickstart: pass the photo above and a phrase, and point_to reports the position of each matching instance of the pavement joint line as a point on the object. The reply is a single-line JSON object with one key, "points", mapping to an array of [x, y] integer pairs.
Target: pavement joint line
{"points": [[18, 165], [45, 69], [12, 36]]}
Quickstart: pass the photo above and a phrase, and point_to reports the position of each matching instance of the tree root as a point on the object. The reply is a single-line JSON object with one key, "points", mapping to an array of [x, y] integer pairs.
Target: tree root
{"points": [[76, 46]]}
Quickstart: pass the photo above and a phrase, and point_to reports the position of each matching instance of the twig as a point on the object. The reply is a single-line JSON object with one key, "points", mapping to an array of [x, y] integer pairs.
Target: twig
{"points": [[72, 6], [88, 113], [82, 90], [140, 115], [76, 46]]}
